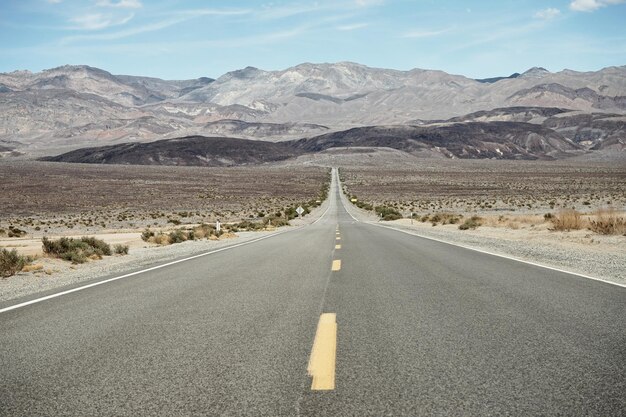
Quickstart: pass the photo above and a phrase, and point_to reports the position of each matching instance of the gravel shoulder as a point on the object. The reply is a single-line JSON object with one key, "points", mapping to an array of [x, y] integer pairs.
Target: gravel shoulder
{"points": [[579, 251], [55, 273]]}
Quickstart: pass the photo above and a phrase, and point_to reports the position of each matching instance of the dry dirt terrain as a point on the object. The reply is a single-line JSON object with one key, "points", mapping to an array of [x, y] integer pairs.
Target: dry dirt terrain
{"points": [[515, 205], [489, 186], [55, 198]]}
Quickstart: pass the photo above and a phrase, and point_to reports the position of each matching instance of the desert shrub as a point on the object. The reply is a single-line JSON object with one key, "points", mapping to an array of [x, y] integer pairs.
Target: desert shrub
{"points": [[248, 225], [161, 239], [444, 218], [548, 216], [204, 230], [76, 250], [471, 223], [10, 262], [15, 232], [361, 204], [177, 236], [276, 222], [608, 223], [120, 249], [100, 247], [146, 235], [388, 213], [568, 219]]}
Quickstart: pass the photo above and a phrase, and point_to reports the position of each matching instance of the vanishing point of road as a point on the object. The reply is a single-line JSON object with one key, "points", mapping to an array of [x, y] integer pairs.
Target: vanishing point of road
{"points": [[338, 318]]}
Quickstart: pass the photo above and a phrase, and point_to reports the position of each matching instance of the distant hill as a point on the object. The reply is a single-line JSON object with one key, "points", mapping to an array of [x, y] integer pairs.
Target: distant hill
{"points": [[478, 140], [187, 151], [78, 106], [466, 140]]}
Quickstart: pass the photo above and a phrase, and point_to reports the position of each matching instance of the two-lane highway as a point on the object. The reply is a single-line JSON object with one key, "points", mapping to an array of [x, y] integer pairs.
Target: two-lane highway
{"points": [[404, 325]]}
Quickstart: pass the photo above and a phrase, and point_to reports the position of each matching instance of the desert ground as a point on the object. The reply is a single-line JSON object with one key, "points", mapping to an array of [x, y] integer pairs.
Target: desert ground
{"points": [[56, 198], [516, 203], [490, 187], [567, 214]]}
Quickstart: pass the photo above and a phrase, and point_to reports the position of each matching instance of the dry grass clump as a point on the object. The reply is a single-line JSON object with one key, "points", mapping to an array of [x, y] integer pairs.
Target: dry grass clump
{"points": [[566, 220], [607, 222], [471, 223], [32, 268], [443, 218]]}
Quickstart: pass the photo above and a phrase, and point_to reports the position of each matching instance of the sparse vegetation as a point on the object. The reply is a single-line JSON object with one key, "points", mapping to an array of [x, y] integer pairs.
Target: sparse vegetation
{"points": [[11, 262], [471, 223], [388, 213], [77, 251], [120, 249], [566, 220], [607, 222], [441, 218]]}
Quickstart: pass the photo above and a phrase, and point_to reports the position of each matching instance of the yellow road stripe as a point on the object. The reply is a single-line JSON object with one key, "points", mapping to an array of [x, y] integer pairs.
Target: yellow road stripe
{"points": [[323, 355], [338, 238], [337, 246], [336, 265]]}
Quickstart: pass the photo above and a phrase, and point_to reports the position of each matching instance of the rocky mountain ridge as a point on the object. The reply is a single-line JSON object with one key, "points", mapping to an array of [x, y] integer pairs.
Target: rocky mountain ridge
{"points": [[72, 107]]}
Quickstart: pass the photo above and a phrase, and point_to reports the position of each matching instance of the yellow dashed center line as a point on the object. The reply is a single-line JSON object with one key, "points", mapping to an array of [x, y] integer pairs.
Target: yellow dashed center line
{"points": [[336, 265], [337, 246], [338, 238], [323, 355]]}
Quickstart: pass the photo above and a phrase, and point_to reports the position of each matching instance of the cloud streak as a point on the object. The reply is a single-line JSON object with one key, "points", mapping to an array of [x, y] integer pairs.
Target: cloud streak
{"points": [[180, 17], [98, 21], [547, 14], [122, 4], [592, 5]]}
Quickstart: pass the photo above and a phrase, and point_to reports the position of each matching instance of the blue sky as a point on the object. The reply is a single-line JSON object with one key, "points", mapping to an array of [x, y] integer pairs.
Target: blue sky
{"points": [[179, 39]]}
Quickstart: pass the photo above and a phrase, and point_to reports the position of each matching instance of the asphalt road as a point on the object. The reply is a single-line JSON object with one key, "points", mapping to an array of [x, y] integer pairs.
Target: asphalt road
{"points": [[423, 328]]}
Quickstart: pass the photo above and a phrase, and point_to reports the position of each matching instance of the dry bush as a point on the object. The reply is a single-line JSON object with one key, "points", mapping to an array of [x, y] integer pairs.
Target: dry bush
{"points": [[120, 249], [607, 222], [471, 223], [11, 262], [160, 239], [78, 250], [444, 218], [566, 220]]}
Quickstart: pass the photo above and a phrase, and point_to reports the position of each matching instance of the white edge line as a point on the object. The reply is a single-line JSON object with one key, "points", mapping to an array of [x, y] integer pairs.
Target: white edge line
{"points": [[487, 252], [499, 255], [95, 284]]}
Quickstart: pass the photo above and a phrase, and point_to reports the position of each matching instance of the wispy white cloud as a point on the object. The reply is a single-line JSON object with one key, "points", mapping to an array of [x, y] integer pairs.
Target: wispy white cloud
{"points": [[353, 26], [177, 18], [547, 14], [425, 33], [98, 21], [123, 4], [281, 12], [54, 1], [368, 3], [591, 5]]}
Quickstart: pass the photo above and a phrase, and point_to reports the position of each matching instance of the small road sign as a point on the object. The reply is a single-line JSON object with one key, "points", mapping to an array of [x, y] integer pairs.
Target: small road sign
{"points": [[300, 210]]}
